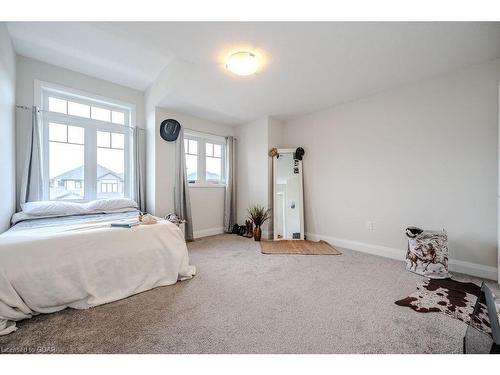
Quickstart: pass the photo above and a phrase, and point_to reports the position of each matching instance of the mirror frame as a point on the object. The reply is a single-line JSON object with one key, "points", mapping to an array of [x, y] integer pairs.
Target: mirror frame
{"points": [[301, 195]]}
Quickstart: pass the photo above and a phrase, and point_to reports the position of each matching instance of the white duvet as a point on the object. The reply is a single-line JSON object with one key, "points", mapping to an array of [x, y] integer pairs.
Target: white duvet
{"points": [[47, 265]]}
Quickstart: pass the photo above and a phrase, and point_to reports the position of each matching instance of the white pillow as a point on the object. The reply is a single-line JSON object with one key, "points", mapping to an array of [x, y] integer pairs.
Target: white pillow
{"points": [[22, 216], [48, 208], [110, 204]]}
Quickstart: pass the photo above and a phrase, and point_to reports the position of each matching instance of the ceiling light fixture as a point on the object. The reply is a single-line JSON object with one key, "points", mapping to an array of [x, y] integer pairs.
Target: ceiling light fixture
{"points": [[242, 63]]}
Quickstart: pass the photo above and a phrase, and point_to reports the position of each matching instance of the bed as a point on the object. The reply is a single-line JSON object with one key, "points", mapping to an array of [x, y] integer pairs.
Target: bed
{"points": [[50, 263]]}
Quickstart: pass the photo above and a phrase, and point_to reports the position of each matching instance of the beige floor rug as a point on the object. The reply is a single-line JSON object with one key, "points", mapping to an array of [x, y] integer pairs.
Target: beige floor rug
{"points": [[298, 247]]}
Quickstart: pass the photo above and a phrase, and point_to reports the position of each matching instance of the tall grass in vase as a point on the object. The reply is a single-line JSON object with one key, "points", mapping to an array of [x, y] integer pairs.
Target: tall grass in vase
{"points": [[259, 215]]}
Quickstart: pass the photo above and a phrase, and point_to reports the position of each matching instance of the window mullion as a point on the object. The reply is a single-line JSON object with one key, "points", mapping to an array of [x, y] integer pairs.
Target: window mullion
{"points": [[90, 163]]}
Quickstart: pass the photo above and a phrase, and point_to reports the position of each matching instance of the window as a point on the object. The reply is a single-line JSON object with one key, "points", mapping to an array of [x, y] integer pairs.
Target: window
{"points": [[191, 150], [213, 162], [66, 160], [86, 147], [205, 161], [109, 186], [110, 160]]}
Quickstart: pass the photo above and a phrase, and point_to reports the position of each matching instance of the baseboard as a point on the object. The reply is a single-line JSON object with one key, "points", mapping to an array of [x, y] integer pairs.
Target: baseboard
{"points": [[473, 269], [207, 232], [468, 268]]}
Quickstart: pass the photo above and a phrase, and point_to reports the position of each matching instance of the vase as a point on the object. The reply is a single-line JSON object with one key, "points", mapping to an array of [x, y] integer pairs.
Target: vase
{"points": [[257, 233], [249, 225]]}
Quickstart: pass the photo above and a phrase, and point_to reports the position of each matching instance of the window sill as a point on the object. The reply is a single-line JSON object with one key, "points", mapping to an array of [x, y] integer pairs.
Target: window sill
{"points": [[207, 185]]}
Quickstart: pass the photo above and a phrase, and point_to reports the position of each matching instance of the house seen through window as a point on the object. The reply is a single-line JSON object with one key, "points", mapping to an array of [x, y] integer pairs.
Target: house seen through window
{"points": [[87, 148]]}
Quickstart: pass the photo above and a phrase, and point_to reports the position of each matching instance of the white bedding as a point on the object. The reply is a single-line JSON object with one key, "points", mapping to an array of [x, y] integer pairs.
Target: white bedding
{"points": [[49, 264]]}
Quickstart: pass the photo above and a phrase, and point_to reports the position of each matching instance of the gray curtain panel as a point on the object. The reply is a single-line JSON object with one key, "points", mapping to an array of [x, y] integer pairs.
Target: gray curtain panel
{"points": [[31, 182], [140, 167], [182, 204], [230, 193]]}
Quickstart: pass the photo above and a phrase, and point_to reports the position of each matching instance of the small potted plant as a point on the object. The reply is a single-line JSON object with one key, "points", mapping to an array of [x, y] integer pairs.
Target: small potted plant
{"points": [[259, 215]]}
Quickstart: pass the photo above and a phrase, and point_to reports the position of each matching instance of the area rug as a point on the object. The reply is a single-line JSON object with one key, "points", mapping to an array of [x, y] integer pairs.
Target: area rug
{"points": [[450, 297], [298, 247]]}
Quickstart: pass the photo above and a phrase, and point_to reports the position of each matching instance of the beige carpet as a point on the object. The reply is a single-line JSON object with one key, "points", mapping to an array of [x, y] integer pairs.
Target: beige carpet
{"points": [[298, 247], [242, 301]]}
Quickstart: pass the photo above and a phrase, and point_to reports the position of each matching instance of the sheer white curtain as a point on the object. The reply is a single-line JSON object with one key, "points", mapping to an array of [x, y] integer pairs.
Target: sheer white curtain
{"points": [[230, 193], [31, 182], [182, 203]]}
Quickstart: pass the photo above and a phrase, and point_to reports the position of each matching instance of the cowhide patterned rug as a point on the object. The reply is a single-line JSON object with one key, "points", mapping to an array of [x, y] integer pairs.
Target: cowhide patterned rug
{"points": [[453, 298]]}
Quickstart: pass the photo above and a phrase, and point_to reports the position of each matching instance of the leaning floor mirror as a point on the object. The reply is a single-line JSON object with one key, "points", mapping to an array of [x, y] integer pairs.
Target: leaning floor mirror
{"points": [[288, 205]]}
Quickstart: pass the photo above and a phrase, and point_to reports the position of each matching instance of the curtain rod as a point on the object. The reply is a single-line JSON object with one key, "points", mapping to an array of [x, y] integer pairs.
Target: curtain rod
{"points": [[64, 114]]}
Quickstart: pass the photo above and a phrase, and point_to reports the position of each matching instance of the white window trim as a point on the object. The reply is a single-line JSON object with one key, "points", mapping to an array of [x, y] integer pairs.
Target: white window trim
{"points": [[83, 95], [90, 182], [202, 138]]}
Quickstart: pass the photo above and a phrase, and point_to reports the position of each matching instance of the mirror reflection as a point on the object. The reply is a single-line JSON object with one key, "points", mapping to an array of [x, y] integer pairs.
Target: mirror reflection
{"points": [[287, 199]]}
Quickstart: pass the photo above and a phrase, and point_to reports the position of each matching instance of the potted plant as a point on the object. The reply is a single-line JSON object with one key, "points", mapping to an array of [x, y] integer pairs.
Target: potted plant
{"points": [[258, 214]]}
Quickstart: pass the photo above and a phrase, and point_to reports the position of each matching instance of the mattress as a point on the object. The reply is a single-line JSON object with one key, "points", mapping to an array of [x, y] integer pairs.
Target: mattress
{"points": [[80, 261]]}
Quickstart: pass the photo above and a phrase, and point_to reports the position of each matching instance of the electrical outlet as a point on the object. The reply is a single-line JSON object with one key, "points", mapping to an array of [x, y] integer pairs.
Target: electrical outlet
{"points": [[370, 225]]}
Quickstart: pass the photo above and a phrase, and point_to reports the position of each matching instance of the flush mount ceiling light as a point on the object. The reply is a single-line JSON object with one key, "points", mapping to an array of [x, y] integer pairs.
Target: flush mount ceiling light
{"points": [[242, 63]]}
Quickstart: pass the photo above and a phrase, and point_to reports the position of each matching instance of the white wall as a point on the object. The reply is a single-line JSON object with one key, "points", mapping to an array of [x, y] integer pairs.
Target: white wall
{"points": [[207, 203], [29, 70], [424, 154], [7, 126], [276, 131], [151, 98], [207, 210], [253, 171]]}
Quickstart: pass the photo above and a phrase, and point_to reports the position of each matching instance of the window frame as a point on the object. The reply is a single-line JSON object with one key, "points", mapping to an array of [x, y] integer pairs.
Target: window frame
{"points": [[202, 139], [90, 184], [186, 152]]}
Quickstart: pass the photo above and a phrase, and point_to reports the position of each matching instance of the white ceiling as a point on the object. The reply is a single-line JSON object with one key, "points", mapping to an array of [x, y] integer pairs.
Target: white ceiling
{"points": [[308, 66]]}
